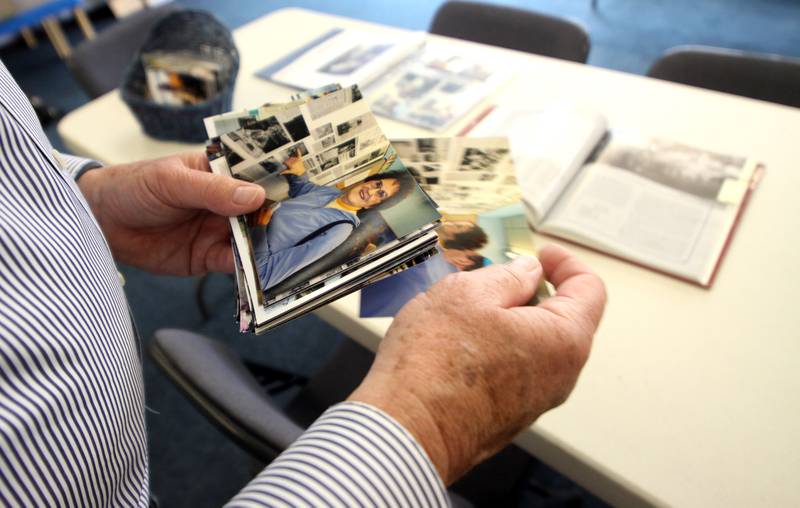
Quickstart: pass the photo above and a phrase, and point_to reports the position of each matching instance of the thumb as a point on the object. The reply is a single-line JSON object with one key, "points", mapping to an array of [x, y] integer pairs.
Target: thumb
{"points": [[220, 194], [509, 285]]}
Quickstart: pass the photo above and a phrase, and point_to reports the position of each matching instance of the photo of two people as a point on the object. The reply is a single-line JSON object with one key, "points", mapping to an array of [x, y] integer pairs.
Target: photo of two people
{"points": [[466, 243], [316, 229]]}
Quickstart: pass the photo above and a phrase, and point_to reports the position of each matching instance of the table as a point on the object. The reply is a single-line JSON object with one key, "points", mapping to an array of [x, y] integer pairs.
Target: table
{"points": [[690, 397]]}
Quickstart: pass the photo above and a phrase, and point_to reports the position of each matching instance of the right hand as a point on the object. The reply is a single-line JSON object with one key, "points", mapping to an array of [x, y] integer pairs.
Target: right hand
{"points": [[467, 365]]}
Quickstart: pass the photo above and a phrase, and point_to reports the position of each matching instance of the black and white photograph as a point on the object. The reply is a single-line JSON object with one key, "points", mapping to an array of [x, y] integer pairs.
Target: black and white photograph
{"points": [[296, 127], [266, 134], [347, 149], [240, 143], [324, 130], [356, 125], [328, 159], [675, 165], [480, 159], [370, 141], [327, 142]]}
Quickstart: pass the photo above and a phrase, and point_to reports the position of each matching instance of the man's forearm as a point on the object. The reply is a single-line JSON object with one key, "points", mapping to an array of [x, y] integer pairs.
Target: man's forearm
{"points": [[352, 455]]}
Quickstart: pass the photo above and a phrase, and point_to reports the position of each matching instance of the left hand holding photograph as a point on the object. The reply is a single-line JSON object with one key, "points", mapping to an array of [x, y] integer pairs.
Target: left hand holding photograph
{"points": [[169, 215]]}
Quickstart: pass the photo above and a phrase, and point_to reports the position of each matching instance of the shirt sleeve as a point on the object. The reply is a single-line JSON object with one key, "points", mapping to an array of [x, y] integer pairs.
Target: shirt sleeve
{"points": [[275, 267], [299, 185], [353, 455], [75, 166]]}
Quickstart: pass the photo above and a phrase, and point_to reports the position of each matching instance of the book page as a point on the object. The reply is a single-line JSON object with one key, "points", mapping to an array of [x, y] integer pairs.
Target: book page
{"points": [[548, 147], [654, 202]]}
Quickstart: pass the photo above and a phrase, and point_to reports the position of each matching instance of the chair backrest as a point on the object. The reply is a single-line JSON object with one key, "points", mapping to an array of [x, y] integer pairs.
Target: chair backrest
{"points": [[512, 28], [99, 64], [770, 78]]}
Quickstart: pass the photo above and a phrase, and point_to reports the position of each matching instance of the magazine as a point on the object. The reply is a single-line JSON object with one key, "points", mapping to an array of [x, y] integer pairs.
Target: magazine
{"points": [[483, 220], [341, 209], [659, 203], [408, 77]]}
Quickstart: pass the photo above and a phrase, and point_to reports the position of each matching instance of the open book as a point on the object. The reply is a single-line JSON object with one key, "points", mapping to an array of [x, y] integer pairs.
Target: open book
{"points": [[483, 220], [407, 77], [341, 209], [655, 202]]}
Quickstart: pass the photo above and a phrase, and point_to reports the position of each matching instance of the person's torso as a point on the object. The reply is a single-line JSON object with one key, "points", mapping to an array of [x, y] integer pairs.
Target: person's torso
{"points": [[71, 393], [298, 218]]}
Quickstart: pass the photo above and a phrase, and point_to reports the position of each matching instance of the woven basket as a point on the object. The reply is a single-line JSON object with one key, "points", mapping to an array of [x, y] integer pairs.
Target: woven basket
{"points": [[190, 30]]}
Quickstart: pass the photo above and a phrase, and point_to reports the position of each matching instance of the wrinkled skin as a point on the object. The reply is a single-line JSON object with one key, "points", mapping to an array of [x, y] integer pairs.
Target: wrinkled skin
{"points": [[468, 364], [169, 215]]}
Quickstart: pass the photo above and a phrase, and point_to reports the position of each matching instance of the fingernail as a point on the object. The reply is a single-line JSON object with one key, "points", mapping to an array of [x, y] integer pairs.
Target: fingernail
{"points": [[245, 195], [527, 263]]}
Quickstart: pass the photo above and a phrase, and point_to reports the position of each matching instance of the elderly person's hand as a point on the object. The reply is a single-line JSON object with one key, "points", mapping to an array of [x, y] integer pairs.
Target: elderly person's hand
{"points": [[467, 365], [169, 215]]}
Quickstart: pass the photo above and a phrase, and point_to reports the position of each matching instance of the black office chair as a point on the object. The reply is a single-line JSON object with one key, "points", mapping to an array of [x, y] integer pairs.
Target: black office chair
{"points": [[512, 28], [770, 78], [238, 397], [99, 64]]}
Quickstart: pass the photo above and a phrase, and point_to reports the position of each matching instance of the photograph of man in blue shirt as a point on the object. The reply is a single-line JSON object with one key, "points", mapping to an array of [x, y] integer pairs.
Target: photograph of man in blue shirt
{"points": [[315, 219]]}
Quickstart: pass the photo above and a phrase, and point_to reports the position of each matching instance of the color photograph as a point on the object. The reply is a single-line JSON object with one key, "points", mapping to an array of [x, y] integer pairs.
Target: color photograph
{"points": [[319, 228], [466, 243]]}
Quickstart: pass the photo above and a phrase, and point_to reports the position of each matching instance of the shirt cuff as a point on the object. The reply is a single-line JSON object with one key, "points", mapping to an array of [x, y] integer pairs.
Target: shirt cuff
{"points": [[353, 455], [75, 166]]}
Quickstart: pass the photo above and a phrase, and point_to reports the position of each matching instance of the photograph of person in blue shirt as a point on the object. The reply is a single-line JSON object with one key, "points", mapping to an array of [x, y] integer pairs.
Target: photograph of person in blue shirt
{"points": [[459, 243], [315, 219]]}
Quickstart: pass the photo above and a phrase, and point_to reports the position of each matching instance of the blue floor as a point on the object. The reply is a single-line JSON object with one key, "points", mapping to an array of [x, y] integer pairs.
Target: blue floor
{"points": [[192, 465]]}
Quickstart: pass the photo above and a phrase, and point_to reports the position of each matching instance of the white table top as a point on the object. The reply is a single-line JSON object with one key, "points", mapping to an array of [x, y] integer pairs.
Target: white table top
{"points": [[691, 397]]}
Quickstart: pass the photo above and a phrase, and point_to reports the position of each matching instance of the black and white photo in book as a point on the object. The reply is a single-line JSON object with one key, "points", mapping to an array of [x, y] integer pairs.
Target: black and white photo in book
{"points": [[656, 202], [676, 165]]}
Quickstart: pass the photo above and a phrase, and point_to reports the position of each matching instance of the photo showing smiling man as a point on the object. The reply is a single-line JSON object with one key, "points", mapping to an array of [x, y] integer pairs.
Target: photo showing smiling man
{"points": [[315, 219]]}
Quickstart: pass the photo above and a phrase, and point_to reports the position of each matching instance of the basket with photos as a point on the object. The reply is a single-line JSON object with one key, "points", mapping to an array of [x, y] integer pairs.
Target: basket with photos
{"points": [[184, 72]]}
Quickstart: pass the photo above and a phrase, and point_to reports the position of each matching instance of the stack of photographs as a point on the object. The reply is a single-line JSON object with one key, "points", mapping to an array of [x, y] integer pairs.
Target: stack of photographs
{"points": [[182, 78], [341, 211], [473, 182]]}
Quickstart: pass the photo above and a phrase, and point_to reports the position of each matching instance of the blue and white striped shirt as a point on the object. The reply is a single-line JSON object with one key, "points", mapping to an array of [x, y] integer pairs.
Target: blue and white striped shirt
{"points": [[72, 427]]}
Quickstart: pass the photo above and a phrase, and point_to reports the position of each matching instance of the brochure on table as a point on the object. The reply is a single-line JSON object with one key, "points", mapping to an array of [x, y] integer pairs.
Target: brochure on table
{"points": [[407, 77]]}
